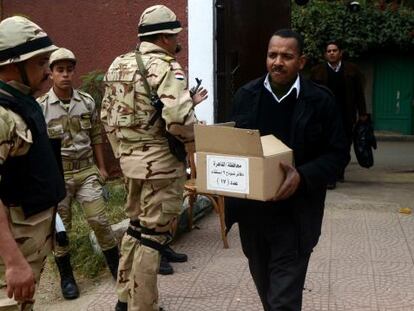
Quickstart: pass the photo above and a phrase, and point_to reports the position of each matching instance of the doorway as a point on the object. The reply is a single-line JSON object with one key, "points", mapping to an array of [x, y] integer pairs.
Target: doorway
{"points": [[394, 94], [242, 32]]}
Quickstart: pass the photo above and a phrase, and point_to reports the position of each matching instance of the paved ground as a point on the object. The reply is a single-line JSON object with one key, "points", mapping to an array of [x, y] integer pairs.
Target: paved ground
{"points": [[364, 260]]}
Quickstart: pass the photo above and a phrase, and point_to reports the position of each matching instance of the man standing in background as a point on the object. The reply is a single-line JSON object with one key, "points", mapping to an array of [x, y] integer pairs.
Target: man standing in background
{"points": [[345, 81]]}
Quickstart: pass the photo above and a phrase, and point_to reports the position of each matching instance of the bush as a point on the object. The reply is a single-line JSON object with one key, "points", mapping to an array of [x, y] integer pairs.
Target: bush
{"points": [[92, 83], [372, 28]]}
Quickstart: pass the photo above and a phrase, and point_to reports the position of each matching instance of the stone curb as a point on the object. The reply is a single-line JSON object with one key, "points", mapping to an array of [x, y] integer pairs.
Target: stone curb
{"points": [[393, 137]]}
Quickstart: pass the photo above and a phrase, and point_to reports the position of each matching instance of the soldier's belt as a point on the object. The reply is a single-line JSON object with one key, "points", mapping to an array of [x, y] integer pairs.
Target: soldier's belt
{"points": [[76, 164]]}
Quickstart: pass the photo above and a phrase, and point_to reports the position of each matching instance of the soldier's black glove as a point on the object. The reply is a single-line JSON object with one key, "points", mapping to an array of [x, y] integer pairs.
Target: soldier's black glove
{"points": [[194, 89], [62, 238]]}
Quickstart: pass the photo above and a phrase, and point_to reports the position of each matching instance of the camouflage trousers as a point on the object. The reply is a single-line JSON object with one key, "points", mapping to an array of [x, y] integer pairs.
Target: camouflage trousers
{"points": [[34, 238], [155, 203], [85, 186]]}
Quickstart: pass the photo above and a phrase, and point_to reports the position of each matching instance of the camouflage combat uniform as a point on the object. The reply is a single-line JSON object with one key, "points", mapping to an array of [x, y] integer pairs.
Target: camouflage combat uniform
{"points": [[30, 181], [155, 178], [34, 234], [77, 124]]}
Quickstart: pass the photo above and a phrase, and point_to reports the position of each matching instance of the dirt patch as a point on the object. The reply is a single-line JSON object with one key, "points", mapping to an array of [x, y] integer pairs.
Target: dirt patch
{"points": [[49, 293]]}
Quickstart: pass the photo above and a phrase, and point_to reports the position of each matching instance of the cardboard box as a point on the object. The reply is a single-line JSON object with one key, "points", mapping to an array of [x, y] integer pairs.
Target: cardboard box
{"points": [[238, 162]]}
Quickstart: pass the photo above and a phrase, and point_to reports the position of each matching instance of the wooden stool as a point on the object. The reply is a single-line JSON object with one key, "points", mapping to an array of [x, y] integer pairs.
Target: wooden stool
{"points": [[217, 201]]}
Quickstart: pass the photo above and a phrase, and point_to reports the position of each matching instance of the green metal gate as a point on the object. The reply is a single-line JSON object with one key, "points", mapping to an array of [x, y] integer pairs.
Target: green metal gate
{"points": [[394, 94]]}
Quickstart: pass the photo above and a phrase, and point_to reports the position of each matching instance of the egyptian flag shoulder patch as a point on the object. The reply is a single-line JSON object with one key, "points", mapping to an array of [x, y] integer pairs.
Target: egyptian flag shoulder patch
{"points": [[179, 75]]}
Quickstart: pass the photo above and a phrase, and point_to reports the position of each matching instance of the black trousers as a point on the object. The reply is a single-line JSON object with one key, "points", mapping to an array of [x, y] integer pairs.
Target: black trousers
{"points": [[276, 265], [349, 138]]}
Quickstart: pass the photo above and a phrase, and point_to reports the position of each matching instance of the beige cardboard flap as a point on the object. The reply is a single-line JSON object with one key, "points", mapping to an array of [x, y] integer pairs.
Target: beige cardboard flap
{"points": [[227, 140], [271, 145], [230, 123]]}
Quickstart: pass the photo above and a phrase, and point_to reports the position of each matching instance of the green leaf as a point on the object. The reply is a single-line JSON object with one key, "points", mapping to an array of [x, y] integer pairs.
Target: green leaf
{"points": [[373, 27]]}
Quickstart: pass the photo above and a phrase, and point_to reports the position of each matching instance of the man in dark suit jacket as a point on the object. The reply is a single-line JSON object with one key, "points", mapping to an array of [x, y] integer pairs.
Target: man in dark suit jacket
{"points": [[346, 83], [278, 236]]}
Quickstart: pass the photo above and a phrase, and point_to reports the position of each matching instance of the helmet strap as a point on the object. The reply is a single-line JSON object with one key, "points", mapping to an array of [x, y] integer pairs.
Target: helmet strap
{"points": [[23, 74]]}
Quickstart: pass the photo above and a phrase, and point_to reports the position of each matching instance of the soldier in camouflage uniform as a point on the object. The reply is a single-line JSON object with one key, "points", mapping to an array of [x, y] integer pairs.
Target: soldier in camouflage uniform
{"points": [[155, 178], [30, 182], [71, 116]]}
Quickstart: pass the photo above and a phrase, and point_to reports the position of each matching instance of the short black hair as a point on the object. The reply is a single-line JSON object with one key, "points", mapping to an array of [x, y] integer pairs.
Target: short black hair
{"points": [[149, 38], [334, 42], [154, 37], [289, 33]]}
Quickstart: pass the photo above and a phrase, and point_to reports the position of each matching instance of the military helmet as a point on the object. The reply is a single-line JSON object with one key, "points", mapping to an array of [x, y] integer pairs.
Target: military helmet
{"points": [[61, 54], [158, 19], [21, 39]]}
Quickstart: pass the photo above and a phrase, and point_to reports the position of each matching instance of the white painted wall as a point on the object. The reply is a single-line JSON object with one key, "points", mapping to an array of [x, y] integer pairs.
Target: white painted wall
{"points": [[201, 52]]}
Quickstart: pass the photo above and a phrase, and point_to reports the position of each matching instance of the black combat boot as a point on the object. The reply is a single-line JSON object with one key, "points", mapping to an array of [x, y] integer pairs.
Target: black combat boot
{"points": [[172, 256], [68, 284], [121, 306], [112, 260], [165, 267]]}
